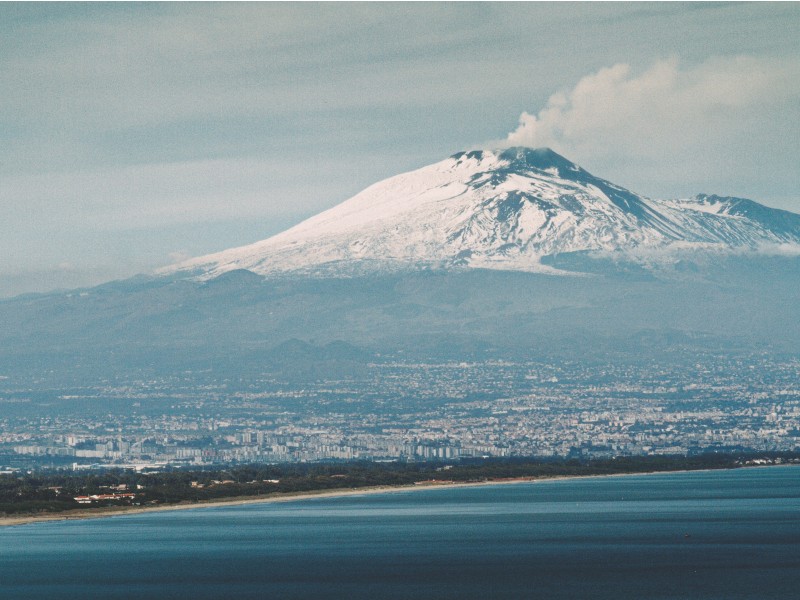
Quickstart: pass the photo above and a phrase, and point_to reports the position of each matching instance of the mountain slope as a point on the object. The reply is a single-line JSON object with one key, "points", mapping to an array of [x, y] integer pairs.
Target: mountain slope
{"points": [[500, 210]]}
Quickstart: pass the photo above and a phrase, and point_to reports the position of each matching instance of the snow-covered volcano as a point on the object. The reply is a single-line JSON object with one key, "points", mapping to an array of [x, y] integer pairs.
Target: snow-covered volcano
{"points": [[504, 209]]}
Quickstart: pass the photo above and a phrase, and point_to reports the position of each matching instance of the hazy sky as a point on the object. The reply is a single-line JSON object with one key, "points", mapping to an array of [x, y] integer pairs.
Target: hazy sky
{"points": [[137, 134]]}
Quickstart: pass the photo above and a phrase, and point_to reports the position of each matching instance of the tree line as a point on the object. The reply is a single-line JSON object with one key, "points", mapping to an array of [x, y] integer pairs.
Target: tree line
{"points": [[54, 491]]}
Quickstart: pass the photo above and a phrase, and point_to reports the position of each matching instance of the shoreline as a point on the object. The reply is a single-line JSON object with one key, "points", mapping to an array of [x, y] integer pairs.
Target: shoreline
{"points": [[114, 511]]}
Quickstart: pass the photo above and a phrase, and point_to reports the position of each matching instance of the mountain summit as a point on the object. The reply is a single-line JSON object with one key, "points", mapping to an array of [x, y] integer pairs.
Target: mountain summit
{"points": [[504, 209]]}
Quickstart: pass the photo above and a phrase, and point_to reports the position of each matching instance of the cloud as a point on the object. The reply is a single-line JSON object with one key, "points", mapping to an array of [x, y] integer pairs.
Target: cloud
{"points": [[153, 195], [145, 67], [179, 256], [787, 249], [667, 108]]}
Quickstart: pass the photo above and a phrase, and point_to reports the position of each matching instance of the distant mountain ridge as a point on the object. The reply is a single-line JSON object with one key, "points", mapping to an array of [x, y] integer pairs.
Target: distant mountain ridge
{"points": [[505, 210]]}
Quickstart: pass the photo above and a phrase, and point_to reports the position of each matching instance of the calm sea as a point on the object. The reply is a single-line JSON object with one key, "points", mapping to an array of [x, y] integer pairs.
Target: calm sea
{"points": [[721, 535]]}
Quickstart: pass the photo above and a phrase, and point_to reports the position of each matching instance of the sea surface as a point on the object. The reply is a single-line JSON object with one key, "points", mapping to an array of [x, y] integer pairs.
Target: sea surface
{"points": [[702, 535]]}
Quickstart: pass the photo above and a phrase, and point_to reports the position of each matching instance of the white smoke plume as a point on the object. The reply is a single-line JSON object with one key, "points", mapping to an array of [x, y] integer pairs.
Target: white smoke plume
{"points": [[666, 109]]}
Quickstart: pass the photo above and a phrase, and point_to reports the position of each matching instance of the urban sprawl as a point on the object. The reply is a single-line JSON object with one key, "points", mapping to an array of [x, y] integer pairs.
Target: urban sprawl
{"points": [[409, 412]]}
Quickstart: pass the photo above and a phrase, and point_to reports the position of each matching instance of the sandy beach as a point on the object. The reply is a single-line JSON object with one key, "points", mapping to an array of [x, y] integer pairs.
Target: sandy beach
{"points": [[112, 511]]}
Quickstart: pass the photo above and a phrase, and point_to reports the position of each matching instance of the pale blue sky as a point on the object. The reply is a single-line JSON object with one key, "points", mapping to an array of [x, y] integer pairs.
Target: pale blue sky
{"points": [[135, 134]]}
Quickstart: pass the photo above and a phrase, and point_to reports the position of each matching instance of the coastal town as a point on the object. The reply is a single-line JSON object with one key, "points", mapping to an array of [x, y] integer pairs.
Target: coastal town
{"points": [[403, 411]]}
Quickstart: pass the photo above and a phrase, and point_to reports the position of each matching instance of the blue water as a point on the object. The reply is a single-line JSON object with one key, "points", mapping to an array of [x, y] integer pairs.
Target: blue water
{"points": [[721, 535]]}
